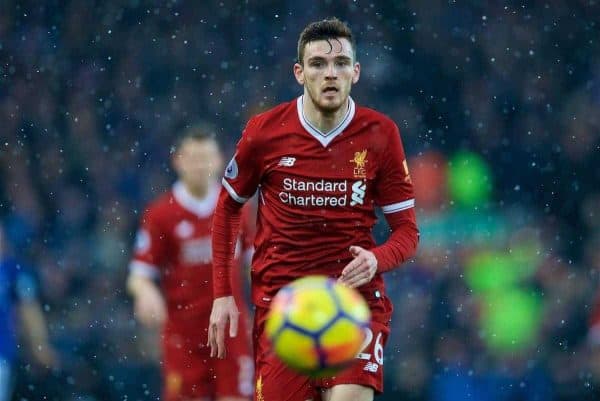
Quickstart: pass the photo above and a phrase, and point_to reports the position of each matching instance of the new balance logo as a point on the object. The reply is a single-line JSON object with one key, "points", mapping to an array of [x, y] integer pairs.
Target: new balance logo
{"points": [[371, 367], [287, 161]]}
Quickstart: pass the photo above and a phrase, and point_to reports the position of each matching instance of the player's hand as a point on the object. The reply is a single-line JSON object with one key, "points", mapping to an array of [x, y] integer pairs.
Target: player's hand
{"points": [[361, 269], [150, 308], [224, 310]]}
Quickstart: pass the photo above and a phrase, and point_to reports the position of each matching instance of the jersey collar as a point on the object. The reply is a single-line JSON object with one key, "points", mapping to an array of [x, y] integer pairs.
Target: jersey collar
{"points": [[322, 137], [200, 207]]}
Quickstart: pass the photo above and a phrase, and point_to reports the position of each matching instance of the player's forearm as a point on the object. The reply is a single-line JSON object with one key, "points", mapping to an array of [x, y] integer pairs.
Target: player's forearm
{"points": [[402, 242], [34, 323], [225, 229]]}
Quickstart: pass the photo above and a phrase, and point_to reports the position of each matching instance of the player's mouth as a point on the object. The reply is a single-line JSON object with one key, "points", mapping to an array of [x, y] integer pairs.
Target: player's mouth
{"points": [[330, 90]]}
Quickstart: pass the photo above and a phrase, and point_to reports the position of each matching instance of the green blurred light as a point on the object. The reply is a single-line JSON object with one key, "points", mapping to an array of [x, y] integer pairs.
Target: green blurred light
{"points": [[491, 271], [527, 255], [469, 180], [510, 320]]}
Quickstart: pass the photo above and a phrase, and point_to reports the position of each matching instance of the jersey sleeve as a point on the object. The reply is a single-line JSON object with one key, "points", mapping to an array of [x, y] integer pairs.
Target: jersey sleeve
{"points": [[248, 226], [394, 194], [248, 232], [394, 189], [225, 230], [244, 171], [149, 253]]}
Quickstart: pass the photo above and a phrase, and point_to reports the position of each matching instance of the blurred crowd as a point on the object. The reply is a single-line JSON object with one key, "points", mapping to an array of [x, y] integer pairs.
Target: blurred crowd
{"points": [[498, 108]]}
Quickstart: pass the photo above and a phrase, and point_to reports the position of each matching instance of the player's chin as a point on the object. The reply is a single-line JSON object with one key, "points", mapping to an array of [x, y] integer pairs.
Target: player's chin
{"points": [[330, 105]]}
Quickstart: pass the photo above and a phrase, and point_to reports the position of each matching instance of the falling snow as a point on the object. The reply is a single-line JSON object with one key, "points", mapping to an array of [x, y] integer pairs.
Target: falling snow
{"points": [[497, 106]]}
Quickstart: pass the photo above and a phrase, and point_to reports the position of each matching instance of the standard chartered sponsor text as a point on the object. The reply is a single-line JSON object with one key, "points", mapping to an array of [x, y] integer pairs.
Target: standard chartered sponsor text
{"points": [[292, 184], [312, 199]]}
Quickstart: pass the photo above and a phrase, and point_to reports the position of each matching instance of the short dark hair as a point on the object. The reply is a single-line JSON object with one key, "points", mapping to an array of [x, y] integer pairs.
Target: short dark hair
{"points": [[200, 131], [331, 28]]}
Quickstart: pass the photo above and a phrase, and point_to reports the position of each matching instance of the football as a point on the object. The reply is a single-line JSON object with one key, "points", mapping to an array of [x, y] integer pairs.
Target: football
{"points": [[317, 326]]}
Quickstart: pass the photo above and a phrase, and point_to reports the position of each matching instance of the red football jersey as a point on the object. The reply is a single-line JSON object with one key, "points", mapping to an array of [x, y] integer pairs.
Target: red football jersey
{"points": [[317, 192], [173, 244]]}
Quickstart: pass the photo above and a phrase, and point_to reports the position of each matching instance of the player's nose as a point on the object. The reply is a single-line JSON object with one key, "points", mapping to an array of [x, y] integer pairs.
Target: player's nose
{"points": [[331, 72]]}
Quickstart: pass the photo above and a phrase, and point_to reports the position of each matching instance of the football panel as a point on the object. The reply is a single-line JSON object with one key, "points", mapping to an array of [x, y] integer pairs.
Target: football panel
{"points": [[313, 281], [312, 308], [275, 320], [352, 303], [341, 342], [277, 311], [297, 350]]}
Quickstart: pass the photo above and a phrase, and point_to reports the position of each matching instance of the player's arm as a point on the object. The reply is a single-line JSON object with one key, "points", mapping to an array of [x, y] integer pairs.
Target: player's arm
{"points": [[402, 242], [394, 192], [248, 232], [239, 184], [399, 247], [142, 281], [35, 326], [225, 228], [33, 322], [149, 303]]}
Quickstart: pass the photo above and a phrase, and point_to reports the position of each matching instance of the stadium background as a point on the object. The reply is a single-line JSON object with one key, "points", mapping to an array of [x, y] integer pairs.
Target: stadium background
{"points": [[498, 107]]}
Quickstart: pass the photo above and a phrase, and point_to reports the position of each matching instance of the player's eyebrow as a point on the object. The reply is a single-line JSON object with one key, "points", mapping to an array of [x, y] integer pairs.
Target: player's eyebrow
{"points": [[343, 58], [321, 58], [315, 58]]}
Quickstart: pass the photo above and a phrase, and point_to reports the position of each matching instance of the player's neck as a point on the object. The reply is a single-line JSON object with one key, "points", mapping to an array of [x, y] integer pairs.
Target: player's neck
{"points": [[325, 121], [198, 192]]}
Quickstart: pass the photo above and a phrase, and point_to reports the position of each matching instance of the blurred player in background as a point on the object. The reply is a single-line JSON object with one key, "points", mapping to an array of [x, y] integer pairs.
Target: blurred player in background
{"points": [[321, 164], [19, 305], [170, 278]]}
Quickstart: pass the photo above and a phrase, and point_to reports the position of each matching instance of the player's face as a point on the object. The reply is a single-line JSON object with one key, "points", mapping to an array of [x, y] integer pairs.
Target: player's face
{"points": [[197, 163], [328, 72]]}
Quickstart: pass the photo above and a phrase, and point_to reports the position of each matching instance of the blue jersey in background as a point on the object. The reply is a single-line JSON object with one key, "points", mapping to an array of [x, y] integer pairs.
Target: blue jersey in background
{"points": [[16, 285]]}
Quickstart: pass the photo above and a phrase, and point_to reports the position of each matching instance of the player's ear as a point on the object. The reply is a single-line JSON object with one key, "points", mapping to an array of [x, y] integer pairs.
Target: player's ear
{"points": [[299, 73], [176, 161], [356, 74]]}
